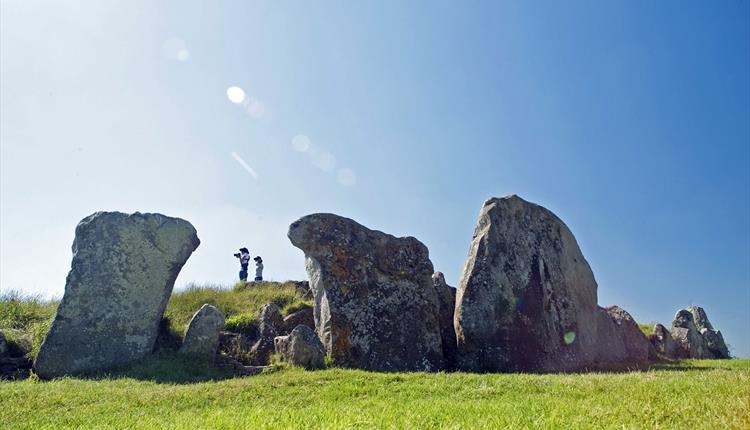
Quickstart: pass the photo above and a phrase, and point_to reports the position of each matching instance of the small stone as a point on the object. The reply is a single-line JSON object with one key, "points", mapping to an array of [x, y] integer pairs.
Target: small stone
{"points": [[270, 324], [302, 348], [202, 335], [303, 316]]}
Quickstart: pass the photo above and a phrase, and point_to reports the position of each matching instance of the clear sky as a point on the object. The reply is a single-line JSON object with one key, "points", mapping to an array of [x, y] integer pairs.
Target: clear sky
{"points": [[628, 119]]}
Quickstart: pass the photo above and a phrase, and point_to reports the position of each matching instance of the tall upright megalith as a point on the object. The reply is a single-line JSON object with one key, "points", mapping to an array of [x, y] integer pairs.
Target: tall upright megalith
{"points": [[122, 274], [375, 305], [527, 298]]}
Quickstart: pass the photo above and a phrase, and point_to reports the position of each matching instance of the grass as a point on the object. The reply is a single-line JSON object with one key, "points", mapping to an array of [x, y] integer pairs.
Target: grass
{"points": [[647, 329], [25, 319], [690, 394]]}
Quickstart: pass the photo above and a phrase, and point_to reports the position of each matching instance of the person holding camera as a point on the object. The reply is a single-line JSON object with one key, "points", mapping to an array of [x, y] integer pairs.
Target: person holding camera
{"points": [[244, 256]]}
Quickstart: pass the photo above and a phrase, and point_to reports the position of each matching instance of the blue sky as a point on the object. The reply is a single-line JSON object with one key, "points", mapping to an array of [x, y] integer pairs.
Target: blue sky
{"points": [[629, 120]]}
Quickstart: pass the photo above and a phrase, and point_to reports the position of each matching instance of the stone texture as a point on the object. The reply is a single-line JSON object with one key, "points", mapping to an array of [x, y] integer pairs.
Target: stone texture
{"points": [[446, 306], [302, 348], [202, 335], [375, 306], [663, 343], [303, 316], [527, 299], [714, 339], [621, 341], [122, 273], [270, 324], [235, 344], [3, 345], [688, 337]]}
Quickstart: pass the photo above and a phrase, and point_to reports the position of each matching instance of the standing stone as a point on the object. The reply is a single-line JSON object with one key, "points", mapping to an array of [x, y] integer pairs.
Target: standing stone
{"points": [[446, 304], [688, 337], [302, 348], [375, 305], [270, 324], [202, 335], [714, 339], [664, 344], [621, 341], [122, 273], [527, 299]]}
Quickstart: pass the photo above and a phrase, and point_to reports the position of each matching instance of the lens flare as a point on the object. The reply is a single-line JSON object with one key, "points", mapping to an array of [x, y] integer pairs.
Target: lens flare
{"points": [[236, 95]]}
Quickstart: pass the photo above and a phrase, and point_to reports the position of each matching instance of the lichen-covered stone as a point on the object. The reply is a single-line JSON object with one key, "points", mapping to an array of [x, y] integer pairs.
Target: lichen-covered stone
{"points": [[202, 335], [375, 305], [446, 304], [270, 324], [527, 298], [122, 273], [302, 348]]}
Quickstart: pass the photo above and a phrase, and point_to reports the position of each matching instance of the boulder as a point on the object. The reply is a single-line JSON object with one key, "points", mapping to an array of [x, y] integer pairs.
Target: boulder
{"points": [[303, 316], [527, 299], [688, 337], [714, 339], [375, 306], [202, 335], [269, 326], [621, 341], [663, 343], [3, 345], [446, 305], [302, 348], [122, 273]]}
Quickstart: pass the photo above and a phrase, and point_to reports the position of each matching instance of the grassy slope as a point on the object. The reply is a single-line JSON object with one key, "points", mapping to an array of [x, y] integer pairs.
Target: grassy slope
{"points": [[25, 319], [694, 394]]}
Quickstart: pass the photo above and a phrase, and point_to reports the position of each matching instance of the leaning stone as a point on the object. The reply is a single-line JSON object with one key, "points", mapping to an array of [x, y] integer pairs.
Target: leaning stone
{"points": [[375, 306], [123, 271], [202, 335], [447, 303], [302, 348], [526, 299]]}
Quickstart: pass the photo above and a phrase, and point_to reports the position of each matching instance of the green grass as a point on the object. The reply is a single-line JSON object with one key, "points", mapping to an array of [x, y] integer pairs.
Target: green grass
{"points": [[647, 329], [691, 394], [24, 320]]}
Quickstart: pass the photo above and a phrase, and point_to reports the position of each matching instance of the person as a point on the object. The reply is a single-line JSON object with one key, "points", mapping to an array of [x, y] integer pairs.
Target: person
{"points": [[258, 268], [244, 257]]}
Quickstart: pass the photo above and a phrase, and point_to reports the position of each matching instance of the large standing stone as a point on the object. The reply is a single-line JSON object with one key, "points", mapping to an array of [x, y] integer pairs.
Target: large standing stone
{"points": [[202, 335], [527, 298], [446, 303], [714, 339], [301, 347], [122, 273], [375, 306]]}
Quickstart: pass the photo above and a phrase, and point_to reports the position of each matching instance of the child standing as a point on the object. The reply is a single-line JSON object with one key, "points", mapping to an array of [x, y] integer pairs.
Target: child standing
{"points": [[258, 268]]}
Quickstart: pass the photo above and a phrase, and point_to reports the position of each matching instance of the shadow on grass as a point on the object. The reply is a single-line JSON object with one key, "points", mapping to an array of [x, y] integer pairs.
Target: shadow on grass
{"points": [[168, 367]]}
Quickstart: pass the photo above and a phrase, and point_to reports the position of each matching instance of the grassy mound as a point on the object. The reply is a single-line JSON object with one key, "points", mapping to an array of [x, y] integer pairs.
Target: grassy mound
{"points": [[25, 319]]}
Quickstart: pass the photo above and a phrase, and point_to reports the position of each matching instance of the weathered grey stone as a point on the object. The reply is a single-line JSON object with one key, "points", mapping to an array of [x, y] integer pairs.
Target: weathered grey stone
{"points": [[3, 345], [303, 316], [202, 335], [621, 341], [301, 347], [270, 324], [700, 319], [714, 339], [664, 344], [527, 297], [446, 306], [687, 336], [122, 273], [375, 306]]}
